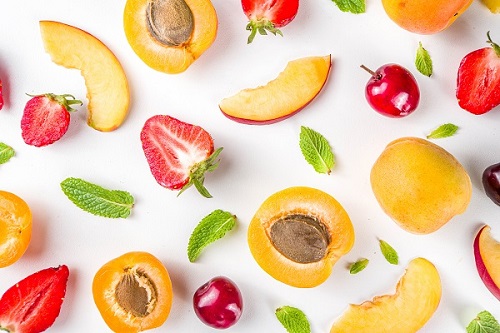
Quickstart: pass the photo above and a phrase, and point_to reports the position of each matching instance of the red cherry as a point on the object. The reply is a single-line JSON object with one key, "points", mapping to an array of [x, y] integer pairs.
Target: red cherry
{"points": [[218, 303], [392, 91], [491, 182]]}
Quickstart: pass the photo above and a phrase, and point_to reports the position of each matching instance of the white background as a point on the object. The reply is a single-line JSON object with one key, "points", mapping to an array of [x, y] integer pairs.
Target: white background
{"points": [[256, 161]]}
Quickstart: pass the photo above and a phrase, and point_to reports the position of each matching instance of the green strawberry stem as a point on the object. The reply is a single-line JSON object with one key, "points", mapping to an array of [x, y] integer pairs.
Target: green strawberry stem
{"points": [[261, 26], [197, 174], [494, 45], [62, 100]]}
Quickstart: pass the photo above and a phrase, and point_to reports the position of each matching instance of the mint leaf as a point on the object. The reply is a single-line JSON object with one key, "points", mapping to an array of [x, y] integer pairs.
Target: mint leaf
{"points": [[423, 61], [293, 320], [97, 200], [484, 323], [6, 152], [351, 6], [316, 150], [358, 266], [211, 228], [389, 253], [443, 131]]}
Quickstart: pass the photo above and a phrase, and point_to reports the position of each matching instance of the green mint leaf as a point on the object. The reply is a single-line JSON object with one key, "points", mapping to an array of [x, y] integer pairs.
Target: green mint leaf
{"points": [[484, 323], [6, 152], [316, 150], [351, 6], [211, 228], [389, 253], [423, 61], [443, 131], [97, 200], [293, 320], [358, 266]]}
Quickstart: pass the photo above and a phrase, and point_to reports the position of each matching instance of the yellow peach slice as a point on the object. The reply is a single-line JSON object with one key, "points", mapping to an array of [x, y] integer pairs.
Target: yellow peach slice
{"points": [[493, 5], [487, 256], [417, 297], [107, 87], [293, 89]]}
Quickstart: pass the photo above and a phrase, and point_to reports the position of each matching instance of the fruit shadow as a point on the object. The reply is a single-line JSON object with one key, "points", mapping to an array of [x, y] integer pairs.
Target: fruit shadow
{"points": [[38, 233]]}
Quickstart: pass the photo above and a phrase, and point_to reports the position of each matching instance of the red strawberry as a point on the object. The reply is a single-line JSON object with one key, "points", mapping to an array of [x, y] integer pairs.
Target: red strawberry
{"points": [[33, 304], [268, 15], [178, 153], [1, 95], [478, 81], [46, 118]]}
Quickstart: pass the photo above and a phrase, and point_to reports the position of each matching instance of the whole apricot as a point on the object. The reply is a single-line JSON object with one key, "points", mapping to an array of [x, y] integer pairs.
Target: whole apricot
{"points": [[298, 234], [419, 184], [423, 16]]}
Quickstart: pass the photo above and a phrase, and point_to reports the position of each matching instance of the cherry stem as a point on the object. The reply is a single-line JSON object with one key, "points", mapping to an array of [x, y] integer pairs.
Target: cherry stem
{"points": [[368, 70]]}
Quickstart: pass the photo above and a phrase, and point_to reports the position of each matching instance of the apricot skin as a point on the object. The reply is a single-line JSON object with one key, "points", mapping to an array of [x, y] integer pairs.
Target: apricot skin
{"points": [[305, 201], [170, 59]]}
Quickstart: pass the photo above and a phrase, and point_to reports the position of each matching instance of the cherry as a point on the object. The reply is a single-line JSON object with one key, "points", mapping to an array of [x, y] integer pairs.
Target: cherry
{"points": [[392, 91], [218, 303], [491, 182]]}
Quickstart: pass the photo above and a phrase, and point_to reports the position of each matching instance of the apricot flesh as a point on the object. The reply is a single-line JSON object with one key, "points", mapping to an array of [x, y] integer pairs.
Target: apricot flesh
{"points": [[493, 5], [487, 256], [169, 35], [418, 294], [423, 16], [420, 185], [298, 234]]}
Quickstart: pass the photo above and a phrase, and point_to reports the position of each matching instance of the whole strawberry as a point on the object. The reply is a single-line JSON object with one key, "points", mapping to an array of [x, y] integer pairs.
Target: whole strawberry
{"points": [[179, 154], [46, 118], [478, 80], [268, 15], [33, 304]]}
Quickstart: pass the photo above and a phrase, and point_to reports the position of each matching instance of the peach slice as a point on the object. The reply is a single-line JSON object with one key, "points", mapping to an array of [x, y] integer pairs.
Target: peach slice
{"points": [[107, 86], [487, 256], [493, 5], [417, 297], [294, 88], [169, 35]]}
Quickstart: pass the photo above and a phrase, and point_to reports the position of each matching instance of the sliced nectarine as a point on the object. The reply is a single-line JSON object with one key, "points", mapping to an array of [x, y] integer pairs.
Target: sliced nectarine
{"points": [[298, 234], [293, 89], [107, 86], [133, 292], [487, 256], [169, 35], [417, 297]]}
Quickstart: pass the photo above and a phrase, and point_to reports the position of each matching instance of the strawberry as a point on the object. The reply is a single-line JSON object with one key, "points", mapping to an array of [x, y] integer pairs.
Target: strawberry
{"points": [[1, 95], [46, 118], [268, 15], [178, 153], [33, 304], [478, 80]]}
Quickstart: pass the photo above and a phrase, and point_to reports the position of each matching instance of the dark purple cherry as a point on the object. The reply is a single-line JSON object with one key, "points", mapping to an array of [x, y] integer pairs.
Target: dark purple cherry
{"points": [[491, 182]]}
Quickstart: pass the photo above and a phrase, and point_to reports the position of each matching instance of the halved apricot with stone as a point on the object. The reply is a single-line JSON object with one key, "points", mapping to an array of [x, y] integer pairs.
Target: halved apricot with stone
{"points": [[169, 35], [298, 234], [133, 292]]}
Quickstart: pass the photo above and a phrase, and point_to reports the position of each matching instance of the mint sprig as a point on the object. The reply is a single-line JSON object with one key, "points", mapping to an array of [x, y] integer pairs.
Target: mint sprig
{"points": [[6, 153], [389, 253], [358, 266], [97, 200], [423, 61], [351, 6], [211, 228], [443, 131], [484, 323], [316, 150], [293, 319]]}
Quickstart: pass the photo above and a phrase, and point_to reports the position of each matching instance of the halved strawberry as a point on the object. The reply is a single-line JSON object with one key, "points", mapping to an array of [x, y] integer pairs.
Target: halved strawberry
{"points": [[46, 118], [33, 304], [478, 80], [179, 154], [268, 15]]}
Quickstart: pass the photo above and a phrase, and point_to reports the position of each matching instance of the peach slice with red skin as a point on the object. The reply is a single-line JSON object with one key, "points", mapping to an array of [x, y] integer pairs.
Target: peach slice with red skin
{"points": [[298, 234], [291, 91], [487, 256], [417, 297]]}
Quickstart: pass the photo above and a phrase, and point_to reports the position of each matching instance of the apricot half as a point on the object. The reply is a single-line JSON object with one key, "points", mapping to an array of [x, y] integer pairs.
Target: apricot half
{"points": [[420, 185], [169, 35], [424, 16], [133, 292], [292, 90], [487, 256], [298, 234], [417, 297]]}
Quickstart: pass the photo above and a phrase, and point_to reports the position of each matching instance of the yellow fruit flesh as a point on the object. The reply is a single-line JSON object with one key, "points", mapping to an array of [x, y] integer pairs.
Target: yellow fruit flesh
{"points": [[490, 253], [493, 5]]}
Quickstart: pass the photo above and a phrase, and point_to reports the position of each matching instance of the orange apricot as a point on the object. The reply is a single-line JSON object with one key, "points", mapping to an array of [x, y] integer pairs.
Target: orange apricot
{"points": [[169, 35], [15, 228], [133, 292], [298, 234]]}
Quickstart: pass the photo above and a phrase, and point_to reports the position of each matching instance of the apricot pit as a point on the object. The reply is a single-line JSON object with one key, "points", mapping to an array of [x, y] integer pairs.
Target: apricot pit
{"points": [[298, 234]]}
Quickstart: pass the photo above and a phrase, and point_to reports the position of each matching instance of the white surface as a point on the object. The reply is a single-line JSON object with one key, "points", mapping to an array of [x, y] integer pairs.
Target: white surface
{"points": [[256, 161]]}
